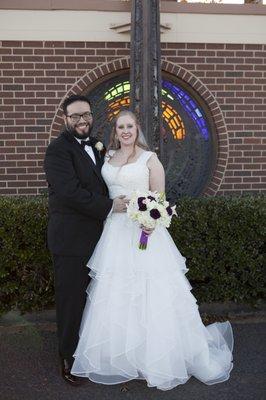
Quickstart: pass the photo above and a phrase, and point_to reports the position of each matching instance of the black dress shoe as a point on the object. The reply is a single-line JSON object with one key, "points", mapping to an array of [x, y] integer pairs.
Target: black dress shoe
{"points": [[68, 377]]}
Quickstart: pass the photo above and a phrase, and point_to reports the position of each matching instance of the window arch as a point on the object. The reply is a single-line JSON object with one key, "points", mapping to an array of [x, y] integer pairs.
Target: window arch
{"points": [[189, 150]]}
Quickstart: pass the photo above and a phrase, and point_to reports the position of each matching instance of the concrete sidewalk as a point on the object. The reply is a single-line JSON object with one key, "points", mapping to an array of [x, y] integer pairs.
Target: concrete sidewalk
{"points": [[29, 368], [209, 312]]}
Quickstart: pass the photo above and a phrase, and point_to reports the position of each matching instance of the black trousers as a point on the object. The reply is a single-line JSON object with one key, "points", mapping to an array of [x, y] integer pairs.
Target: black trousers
{"points": [[71, 281]]}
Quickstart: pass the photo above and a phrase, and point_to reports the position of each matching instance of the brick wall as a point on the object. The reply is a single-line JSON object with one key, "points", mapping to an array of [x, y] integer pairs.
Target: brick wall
{"points": [[236, 76], [35, 76]]}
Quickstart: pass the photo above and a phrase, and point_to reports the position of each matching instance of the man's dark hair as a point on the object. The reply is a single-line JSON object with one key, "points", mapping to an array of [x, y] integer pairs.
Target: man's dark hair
{"points": [[72, 99]]}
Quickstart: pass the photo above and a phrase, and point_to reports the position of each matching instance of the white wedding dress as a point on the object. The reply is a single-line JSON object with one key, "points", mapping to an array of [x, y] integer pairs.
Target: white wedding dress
{"points": [[141, 321]]}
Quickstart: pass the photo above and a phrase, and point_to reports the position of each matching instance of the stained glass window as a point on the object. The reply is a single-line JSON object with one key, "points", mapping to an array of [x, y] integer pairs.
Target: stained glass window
{"points": [[118, 96], [188, 152]]}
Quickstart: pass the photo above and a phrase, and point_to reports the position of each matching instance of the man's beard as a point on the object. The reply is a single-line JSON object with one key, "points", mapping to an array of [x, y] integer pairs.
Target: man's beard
{"points": [[72, 130]]}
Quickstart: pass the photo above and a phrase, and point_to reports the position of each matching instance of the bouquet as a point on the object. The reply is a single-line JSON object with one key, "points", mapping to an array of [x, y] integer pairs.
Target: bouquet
{"points": [[149, 210]]}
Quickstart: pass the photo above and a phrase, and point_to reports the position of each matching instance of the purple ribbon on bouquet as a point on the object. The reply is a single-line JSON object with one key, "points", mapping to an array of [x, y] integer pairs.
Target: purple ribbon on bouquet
{"points": [[143, 241]]}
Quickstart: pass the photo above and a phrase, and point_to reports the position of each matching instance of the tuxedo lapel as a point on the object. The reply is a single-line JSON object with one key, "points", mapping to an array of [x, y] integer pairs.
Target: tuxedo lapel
{"points": [[95, 167], [98, 158]]}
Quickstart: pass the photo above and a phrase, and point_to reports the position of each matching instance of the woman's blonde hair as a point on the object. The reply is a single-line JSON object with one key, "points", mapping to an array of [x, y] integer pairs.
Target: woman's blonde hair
{"points": [[114, 142]]}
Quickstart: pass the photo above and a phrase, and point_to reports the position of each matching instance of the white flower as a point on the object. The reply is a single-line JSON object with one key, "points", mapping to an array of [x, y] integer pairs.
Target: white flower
{"points": [[99, 146]]}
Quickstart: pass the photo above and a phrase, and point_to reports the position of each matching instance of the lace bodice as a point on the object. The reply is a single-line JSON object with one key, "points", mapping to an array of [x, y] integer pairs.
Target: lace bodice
{"points": [[128, 178]]}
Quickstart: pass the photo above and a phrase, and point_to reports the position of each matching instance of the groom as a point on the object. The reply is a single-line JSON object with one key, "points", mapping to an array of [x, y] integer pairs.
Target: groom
{"points": [[78, 206]]}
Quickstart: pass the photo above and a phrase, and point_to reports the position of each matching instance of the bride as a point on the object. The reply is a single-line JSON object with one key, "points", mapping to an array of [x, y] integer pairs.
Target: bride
{"points": [[141, 321]]}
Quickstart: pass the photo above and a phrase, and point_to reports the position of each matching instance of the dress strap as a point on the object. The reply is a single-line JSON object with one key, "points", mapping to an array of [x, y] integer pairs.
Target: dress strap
{"points": [[144, 157]]}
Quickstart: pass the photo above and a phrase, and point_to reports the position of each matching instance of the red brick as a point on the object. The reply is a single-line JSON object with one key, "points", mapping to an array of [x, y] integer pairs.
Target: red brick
{"points": [[13, 87], [6, 149], [215, 46], [17, 184], [227, 186], [11, 59], [258, 186], [242, 186], [15, 156], [253, 74], [27, 177], [26, 163], [75, 44], [235, 166], [259, 160], [34, 73], [11, 43], [5, 51], [22, 51], [243, 160], [175, 45], [234, 46], [12, 72], [252, 140], [8, 177], [6, 94], [234, 74], [28, 191], [24, 66], [253, 101], [6, 80], [232, 180], [16, 170], [235, 60], [242, 173], [253, 47], [34, 101], [251, 166], [33, 44], [260, 67], [14, 129], [54, 44], [25, 136], [8, 191], [205, 67], [33, 156], [254, 60], [259, 173]]}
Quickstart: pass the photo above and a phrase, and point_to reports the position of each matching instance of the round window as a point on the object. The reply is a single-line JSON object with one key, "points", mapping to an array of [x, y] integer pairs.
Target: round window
{"points": [[189, 147]]}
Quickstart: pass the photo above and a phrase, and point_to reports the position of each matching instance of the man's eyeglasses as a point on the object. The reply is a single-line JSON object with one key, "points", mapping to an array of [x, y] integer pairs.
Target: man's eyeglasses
{"points": [[76, 117]]}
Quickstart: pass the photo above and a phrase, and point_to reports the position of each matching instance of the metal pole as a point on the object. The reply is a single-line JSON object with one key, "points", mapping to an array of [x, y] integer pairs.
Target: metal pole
{"points": [[145, 70]]}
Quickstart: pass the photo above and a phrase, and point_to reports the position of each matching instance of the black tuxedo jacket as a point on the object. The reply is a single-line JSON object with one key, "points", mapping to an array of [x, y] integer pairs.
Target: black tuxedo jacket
{"points": [[78, 197]]}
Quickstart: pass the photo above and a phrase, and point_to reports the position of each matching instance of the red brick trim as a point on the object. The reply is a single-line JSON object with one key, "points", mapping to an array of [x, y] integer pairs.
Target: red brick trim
{"points": [[96, 75], [90, 79]]}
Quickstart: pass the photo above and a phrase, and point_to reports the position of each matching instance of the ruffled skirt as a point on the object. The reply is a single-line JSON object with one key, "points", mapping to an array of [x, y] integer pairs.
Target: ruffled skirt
{"points": [[141, 321]]}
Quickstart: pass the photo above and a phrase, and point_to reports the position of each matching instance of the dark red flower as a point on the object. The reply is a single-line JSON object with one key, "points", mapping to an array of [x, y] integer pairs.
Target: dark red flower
{"points": [[169, 210], [155, 214], [151, 198], [142, 206]]}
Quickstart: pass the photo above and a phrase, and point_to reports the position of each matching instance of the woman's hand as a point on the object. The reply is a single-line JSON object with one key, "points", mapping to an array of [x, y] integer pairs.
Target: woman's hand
{"points": [[148, 231]]}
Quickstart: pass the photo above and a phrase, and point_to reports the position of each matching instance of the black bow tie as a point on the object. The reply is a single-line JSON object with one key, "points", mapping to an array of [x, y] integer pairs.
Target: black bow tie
{"points": [[84, 143]]}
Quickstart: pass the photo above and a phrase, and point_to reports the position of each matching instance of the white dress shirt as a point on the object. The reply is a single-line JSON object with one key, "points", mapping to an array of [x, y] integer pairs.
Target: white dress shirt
{"points": [[88, 149], [90, 152]]}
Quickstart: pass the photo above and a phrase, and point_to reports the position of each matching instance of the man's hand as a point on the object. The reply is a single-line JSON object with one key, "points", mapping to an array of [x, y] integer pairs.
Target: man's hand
{"points": [[148, 231], [120, 204]]}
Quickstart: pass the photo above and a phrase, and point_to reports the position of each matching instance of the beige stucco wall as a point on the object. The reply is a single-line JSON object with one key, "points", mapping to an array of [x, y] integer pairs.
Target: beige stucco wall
{"points": [[95, 26]]}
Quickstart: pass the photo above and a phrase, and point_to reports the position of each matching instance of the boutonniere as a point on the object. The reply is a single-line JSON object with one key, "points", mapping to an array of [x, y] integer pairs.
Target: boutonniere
{"points": [[99, 146]]}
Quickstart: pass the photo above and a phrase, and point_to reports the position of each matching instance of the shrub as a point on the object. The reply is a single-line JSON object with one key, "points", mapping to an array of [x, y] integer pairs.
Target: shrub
{"points": [[26, 279], [223, 240], [221, 237]]}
